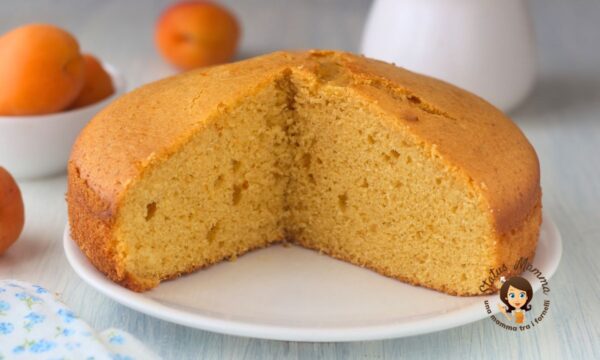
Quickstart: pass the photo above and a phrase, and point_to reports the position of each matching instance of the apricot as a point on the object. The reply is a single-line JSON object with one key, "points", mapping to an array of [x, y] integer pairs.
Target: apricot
{"points": [[12, 213], [97, 84], [41, 70], [197, 33]]}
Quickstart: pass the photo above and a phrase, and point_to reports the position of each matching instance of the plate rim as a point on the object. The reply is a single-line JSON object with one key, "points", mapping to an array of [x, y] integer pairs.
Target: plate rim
{"points": [[138, 302]]}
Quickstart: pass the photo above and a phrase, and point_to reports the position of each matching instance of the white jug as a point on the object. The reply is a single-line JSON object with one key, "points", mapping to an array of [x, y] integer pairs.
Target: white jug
{"points": [[484, 46]]}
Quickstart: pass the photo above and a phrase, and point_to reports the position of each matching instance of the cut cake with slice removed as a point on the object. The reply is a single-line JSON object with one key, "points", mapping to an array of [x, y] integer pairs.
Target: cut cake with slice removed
{"points": [[359, 159]]}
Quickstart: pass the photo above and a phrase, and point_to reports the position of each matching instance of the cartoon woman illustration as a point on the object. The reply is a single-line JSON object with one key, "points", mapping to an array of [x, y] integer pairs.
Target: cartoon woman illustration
{"points": [[516, 294]]}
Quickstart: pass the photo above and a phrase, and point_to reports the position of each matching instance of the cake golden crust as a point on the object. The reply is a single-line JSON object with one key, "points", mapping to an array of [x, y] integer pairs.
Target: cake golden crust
{"points": [[131, 135]]}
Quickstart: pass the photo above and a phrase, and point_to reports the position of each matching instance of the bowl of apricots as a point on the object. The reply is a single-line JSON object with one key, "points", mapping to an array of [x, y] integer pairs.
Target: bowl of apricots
{"points": [[49, 90]]}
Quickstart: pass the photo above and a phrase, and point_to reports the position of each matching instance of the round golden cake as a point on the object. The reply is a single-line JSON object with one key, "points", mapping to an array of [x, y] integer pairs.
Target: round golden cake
{"points": [[390, 170]]}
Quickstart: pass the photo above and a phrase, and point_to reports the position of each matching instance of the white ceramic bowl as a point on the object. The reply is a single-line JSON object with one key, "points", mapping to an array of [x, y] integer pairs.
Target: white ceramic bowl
{"points": [[37, 146]]}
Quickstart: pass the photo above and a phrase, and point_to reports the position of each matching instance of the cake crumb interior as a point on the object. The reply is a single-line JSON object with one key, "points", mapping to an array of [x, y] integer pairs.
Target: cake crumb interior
{"points": [[308, 160]]}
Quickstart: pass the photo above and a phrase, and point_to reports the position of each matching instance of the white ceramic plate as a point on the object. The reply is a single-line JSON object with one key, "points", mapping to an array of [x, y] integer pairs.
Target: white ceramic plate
{"points": [[290, 293]]}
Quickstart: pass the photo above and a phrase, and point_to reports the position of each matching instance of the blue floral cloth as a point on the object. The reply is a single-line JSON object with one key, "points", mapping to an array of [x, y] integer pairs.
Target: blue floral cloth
{"points": [[35, 325]]}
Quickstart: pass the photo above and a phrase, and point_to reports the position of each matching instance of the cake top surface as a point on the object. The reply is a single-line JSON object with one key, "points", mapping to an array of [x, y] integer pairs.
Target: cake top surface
{"points": [[474, 138]]}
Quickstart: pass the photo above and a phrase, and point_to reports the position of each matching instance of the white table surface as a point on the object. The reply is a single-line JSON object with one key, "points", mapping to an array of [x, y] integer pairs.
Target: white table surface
{"points": [[561, 118]]}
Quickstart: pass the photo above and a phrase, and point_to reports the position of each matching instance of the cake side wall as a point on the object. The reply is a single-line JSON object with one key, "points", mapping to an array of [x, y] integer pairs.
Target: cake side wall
{"points": [[91, 223], [519, 243]]}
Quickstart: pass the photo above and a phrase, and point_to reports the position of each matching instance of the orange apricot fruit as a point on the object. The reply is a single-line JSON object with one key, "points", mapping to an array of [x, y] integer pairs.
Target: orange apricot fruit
{"points": [[193, 34], [41, 70], [12, 212], [97, 85]]}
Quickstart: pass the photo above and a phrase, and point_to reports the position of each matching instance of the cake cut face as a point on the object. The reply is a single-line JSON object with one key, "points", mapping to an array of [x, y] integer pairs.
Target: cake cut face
{"points": [[360, 160], [221, 194]]}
